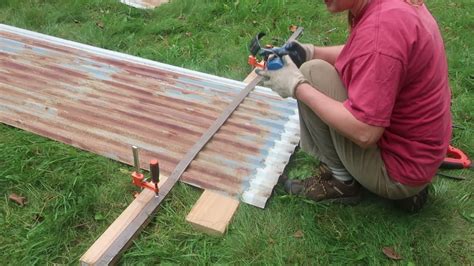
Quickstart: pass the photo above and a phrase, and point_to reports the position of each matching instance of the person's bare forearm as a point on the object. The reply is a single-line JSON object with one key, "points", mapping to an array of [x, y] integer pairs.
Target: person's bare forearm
{"points": [[328, 54], [334, 114]]}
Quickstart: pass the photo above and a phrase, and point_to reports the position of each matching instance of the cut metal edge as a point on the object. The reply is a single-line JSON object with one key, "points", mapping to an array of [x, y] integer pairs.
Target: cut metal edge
{"points": [[261, 185]]}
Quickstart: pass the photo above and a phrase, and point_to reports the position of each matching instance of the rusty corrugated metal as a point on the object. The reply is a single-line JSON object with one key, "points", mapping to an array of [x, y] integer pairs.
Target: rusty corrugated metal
{"points": [[104, 102], [147, 4]]}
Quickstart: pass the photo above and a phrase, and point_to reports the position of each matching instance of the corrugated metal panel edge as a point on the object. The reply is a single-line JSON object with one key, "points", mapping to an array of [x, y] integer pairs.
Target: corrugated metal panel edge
{"points": [[260, 188]]}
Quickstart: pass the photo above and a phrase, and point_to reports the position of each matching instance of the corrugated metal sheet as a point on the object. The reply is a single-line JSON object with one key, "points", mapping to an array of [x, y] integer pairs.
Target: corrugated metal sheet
{"points": [[147, 4], [104, 102]]}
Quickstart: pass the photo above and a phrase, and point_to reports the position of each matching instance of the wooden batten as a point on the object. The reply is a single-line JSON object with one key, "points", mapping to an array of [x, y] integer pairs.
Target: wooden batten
{"points": [[106, 249]]}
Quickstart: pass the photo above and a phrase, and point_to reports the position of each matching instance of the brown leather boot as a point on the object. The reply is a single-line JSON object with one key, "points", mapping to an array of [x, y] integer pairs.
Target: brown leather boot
{"points": [[324, 187], [414, 203]]}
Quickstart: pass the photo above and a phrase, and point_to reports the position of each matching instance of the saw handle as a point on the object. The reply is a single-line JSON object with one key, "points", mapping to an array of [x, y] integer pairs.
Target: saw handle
{"points": [[455, 159]]}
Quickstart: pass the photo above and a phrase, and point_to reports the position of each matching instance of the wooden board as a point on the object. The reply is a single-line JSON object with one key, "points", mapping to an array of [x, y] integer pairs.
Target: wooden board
{"points": [[96, 254], [212, 213], [250, 77]]}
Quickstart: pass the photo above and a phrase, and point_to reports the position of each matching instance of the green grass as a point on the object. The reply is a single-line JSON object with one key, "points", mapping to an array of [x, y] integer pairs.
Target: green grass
{"points": [[73, 195]]}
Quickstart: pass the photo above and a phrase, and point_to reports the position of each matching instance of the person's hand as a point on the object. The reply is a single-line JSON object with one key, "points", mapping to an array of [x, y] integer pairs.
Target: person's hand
{"points": [[300, 52], [284, 80]]}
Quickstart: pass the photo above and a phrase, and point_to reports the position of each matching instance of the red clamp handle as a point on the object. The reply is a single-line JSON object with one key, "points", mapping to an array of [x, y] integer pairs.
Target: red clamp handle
{"points": [[254, 62], [155, 173], [138, 179]]}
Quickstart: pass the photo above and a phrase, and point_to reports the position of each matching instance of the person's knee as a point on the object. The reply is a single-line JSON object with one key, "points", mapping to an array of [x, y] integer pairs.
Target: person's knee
{"points": [[319, 73], [309, 69], [325, 78]]}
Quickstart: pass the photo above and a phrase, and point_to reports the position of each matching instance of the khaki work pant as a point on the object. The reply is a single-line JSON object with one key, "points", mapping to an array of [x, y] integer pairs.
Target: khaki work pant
{"points": [[326, 144]]}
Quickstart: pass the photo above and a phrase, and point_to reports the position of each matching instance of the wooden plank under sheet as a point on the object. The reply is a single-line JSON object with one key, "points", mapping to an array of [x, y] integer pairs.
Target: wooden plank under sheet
{"points": [[212, 213]]}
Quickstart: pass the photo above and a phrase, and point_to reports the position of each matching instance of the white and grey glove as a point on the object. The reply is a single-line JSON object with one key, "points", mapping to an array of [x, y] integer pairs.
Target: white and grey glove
{"points": [[284, 80]]}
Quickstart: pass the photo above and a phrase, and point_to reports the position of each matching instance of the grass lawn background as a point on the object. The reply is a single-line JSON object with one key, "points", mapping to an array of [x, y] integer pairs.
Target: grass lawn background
{"points": [[73, 196]]}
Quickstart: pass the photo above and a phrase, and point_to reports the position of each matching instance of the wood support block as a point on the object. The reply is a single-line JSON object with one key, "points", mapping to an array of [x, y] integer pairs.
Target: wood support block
{"points": [[212, 212]]}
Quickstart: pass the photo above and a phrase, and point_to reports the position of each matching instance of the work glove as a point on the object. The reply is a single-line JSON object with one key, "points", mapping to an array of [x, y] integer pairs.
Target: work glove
{"points": [[284, 80], [300, 52]]}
